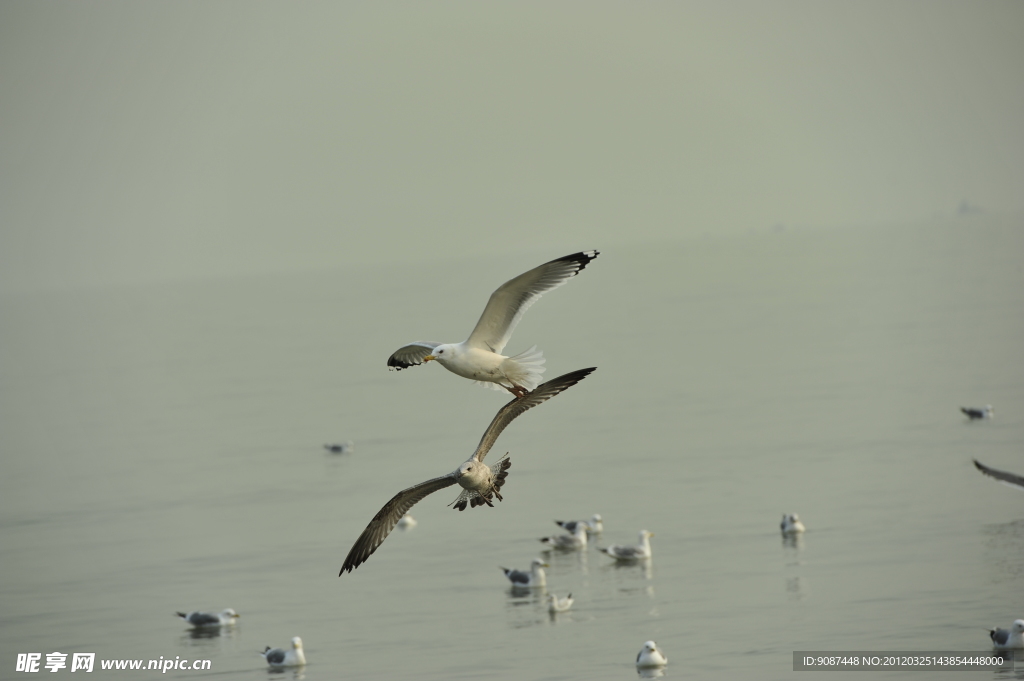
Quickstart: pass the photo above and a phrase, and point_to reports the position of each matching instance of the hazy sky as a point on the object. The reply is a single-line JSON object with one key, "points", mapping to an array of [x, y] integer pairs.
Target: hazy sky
{"points": [[178, 139]]}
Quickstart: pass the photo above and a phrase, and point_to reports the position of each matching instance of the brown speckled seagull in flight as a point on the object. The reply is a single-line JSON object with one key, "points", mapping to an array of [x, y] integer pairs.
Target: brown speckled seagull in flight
{"points": [[480, 483]]}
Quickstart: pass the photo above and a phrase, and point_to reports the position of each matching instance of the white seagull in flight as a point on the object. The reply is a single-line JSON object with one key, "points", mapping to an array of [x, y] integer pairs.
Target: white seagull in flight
{"points": [[479, 357], [480, 483]]}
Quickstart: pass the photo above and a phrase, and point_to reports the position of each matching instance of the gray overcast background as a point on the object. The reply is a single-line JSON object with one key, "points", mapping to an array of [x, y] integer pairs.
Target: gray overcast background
{"points": [[148, 141]]}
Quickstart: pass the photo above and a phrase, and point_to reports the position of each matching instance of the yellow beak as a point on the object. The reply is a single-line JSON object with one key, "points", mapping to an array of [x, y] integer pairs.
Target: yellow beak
{"points": [[428, 358]]}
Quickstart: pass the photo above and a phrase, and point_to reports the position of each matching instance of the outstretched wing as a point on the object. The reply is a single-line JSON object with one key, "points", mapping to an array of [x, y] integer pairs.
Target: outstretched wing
{"points": [[386, 519], [508, 303], [542, 393], [411, 354], [1001, 476]]}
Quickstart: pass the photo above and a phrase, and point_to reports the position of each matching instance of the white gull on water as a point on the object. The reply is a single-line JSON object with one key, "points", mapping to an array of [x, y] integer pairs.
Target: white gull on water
{"points": [[556, 604], [479, 357], [651, 656], [595, 525], [535, 577], [791, 524], [278, 657], [480, 483], [569, 542], [1008, 639], [200, 620], [641, 550]]}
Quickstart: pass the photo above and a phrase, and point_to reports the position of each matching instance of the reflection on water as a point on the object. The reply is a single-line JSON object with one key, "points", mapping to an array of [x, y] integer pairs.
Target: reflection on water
{"points": [[1004, 550], [793, 541]]}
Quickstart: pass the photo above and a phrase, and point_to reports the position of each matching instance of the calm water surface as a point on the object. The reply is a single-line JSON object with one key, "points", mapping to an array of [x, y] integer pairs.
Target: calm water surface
{"points": [[162, 452]]}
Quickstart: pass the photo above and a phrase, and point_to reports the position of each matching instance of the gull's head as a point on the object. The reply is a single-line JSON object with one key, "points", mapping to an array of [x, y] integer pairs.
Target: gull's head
{"points": [[468, 467], [538, 563], [441, 353], [297, 643], [650, 646], [644, 534], [229, 612], [1018, 626]]}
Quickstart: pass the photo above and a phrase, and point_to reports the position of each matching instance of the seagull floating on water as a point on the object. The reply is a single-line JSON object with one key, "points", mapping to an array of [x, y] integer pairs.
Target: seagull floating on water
{"points": [[535, 577], [480, 483], [568, 542], [1008, 639], [201, 620], [791, 524], [975, 413], [651, 656], [641, 550], [479, 357], [340, 447], [1005, 477], [594, 525], [556, 604], [278, 657], [407, 522]]}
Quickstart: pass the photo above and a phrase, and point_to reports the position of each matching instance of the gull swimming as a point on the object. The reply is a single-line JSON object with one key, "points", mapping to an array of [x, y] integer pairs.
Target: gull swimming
{"points": [[480, 483], [651, 656], [556, 604], [407, 522], [535, 577], [641, 550], [479, 357], [595, 525], [975, 413], [1008, 639], [791, 524], [340, 447], [278, 657], [568, 542], [1005, 477], [200, 620]]}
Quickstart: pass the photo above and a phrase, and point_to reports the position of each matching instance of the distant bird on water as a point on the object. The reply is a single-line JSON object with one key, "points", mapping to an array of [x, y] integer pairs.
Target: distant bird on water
{"points": [[278, 657], [202, 620], [641, 550], [594, 526], [480, 483], [1011, 479], [651, 656], [340, 447], [1008, 639], [568, 542], [791, 524], [976, 413], [479, 357], [556, 604], [535, 577]]}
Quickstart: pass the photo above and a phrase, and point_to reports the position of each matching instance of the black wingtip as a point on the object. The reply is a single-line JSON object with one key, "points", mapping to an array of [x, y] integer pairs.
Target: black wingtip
{"points": [[398, 365], [582, 259]]}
